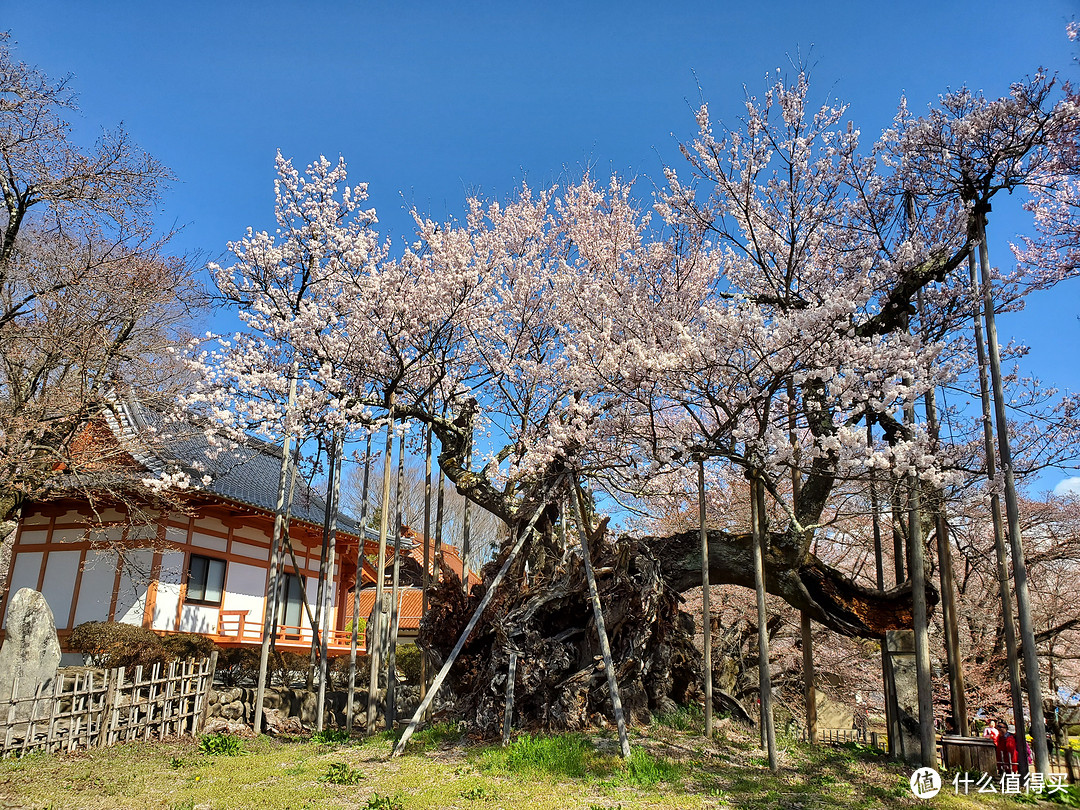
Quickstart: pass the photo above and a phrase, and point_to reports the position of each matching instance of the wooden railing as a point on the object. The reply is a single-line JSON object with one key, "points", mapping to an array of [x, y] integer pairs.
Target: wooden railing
{"points": [[235, 626]]}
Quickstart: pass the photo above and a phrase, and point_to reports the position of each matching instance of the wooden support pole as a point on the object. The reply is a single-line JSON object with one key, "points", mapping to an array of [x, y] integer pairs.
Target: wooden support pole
{"points": [[314, 664], [287, 541], [508, 712], [945, 573], [601, 630], [466, 522], [375, 631], [270, 609], [436, 551], [757, 521], [484, 601], [1012, 511], [706, 606], [333, 492], [920, 615], [395, 590], [425, 581], [888, 688], [809, 686], [354, 636]]}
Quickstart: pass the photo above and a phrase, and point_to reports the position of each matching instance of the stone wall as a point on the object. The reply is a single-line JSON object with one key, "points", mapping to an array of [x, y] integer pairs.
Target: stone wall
{"points": [[293, 711]]}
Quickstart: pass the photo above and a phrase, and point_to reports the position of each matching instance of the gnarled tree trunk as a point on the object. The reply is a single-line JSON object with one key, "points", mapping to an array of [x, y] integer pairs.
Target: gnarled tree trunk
{"points": [[546, 620]]}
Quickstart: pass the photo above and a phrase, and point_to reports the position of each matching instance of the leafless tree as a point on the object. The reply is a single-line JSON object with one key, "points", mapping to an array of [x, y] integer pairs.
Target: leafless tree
{"points": [[90, 303]]}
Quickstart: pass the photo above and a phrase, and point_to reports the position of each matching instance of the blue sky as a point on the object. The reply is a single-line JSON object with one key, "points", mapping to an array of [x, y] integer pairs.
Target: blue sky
{"points": [[431, 101]]}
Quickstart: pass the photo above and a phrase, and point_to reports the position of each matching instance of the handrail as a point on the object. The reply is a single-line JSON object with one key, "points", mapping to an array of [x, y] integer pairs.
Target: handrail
{"points": [[233, 625]]}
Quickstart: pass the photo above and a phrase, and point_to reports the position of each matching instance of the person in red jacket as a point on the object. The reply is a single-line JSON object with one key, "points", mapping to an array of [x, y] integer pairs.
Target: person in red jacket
{"points": [[1006, 750]]}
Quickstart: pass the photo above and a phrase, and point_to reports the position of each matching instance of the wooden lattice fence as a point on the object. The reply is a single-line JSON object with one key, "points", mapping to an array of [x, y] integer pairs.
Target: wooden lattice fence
{"points": [[94, 708]]}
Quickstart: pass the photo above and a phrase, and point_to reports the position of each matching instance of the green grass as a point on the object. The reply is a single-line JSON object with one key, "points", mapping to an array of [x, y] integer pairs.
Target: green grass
{"points": [[667, 769], [683, 718], [435, 736], [564, 756], [330, 736]]}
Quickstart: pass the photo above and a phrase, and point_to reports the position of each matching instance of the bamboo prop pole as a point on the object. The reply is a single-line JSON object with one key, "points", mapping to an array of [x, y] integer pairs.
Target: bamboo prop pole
{"points": [[314, 664], [806, 630], [757, 510], [436, 565], [1012, 511], [601, 630], [945, 574], [395, 590], [425, 580], [333, 496], [375, 630], [508, 711], [1000, 552], [888, 688], [466, 546], [354, 636], [706, 606], [917, 564], [286, 538], [920, 615], [809, 686], [270, 610], [425, 704]]}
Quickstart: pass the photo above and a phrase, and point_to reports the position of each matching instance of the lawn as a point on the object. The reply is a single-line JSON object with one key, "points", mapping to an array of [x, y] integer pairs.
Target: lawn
{"points": [[671, 767]]}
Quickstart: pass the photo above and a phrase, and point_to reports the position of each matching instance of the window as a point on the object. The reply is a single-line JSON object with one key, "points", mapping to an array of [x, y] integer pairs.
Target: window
{"points": [[206, 580]]}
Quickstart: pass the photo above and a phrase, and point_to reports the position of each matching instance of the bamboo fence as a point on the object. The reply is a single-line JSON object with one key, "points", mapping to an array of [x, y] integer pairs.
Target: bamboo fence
{"points": [[96, 708]]}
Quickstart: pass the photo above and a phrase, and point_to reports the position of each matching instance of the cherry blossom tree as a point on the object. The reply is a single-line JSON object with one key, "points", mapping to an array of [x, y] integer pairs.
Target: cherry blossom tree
{"points": [[760, 321]]}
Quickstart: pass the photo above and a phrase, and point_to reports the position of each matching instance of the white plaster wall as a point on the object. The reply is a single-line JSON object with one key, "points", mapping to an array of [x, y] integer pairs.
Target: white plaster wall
{"points": [[175, 535], [245, 589], [58, 586], [134, 578], [36, 534], [25, 573], [198, 619], [251, 533], [95, 590], [168, 591], [69, 535], [206, 541], [248, 550], [211, 523]]}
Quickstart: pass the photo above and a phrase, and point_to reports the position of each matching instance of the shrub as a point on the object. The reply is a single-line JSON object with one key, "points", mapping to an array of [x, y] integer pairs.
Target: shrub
{"points": [[477, 792], [341, 773], [339, 671], [182, 646], [114, 644], [237, 665], [288, 665], [407, 661], [225, 744], [330, 736], [377, 802]]}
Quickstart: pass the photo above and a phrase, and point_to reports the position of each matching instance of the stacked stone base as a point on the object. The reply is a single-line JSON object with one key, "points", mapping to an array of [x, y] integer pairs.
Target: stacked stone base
{"points": [[295, 711]]}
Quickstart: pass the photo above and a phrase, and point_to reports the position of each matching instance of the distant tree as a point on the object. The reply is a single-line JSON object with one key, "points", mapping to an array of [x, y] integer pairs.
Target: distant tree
{"points": [[90, 304]]}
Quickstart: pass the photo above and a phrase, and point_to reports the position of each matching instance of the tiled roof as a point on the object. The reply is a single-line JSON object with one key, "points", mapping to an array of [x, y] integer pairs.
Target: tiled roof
{"points": [[247, 473], [410, 606], [451, 557]]}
